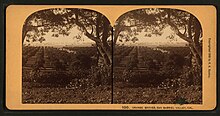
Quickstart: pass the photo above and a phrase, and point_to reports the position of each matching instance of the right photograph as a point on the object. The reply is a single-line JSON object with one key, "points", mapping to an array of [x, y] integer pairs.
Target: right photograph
{"points": [[157, 57]]}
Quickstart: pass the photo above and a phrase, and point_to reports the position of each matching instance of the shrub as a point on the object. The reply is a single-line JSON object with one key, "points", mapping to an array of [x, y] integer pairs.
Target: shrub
{"points": [[54, 78], [148, 78], [101, 75]]}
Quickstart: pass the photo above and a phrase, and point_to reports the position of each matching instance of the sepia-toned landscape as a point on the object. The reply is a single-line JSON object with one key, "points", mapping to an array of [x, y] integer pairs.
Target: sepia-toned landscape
{"points": [[150, 56], [157, 58], [154, 75], [66, 57]]}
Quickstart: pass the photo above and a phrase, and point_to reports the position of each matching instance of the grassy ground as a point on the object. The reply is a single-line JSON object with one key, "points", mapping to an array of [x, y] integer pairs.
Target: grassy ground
{"points": [[36, 93], [124, 94]]}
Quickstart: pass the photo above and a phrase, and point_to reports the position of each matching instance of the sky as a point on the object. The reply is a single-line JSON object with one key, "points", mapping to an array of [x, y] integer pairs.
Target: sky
{"points": [[63, 40], [157, 40], [85, 41]]}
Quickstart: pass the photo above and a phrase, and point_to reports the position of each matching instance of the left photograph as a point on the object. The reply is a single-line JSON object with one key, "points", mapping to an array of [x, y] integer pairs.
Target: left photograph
{"points": [[66, 57]]}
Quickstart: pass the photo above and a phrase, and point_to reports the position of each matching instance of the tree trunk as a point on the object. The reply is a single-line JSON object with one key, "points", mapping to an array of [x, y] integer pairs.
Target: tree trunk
{"points": [[196, 53], [105, 55], [196, 64], [104, 72], [196, 50]]}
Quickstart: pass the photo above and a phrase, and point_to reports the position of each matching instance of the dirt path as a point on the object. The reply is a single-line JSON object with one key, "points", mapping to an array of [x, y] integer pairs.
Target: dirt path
{"points": [[47, 62], [141, 64]]}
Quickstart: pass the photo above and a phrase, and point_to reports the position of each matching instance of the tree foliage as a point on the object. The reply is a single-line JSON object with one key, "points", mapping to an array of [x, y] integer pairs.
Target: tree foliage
{"points": [[153, 21], [60, 22]]}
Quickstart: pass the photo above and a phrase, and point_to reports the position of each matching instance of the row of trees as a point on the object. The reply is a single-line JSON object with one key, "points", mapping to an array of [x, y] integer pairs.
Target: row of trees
{"points": [[27, 53], [120, 53]]}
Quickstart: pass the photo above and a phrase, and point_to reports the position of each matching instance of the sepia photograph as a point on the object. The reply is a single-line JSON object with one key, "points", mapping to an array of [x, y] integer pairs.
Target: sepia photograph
{"points": [[108, 57], [66, 57], [157, 57]]}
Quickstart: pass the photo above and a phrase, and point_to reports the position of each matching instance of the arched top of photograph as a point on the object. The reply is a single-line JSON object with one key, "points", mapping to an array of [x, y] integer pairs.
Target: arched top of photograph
{"points": [[59, 27], [157, 27]]}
